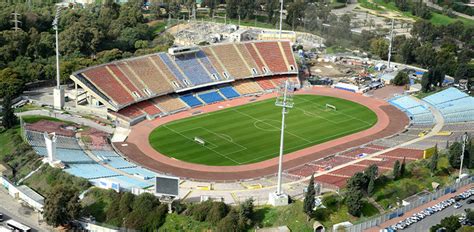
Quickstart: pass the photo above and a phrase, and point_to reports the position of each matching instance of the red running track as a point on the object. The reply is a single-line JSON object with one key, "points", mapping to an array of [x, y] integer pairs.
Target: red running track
{"points": [[137, 148]]}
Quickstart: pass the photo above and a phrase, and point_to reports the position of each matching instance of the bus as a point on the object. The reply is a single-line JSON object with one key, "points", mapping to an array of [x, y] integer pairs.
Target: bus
{"points": [[16, 226]]}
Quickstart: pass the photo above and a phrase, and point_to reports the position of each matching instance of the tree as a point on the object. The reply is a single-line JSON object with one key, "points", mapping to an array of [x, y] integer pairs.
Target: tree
{"points": [[272, 7], [354, 202], [379, 47], [230, 223], [455, 152], [61, 206], [372, 172], [8, 116], [396, 170], [308, 204], [247, 209], [357, 181], [403, 168], [451, 223], [425, 82], [407, 50], [434, 160], [371, 187], [218, 211], [401, 79], [155, 219], [425, 55]]}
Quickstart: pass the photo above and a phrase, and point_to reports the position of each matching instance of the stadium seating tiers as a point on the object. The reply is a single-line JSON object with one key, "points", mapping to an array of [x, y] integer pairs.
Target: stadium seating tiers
{"points": [[129, 84], [229, 92], [454, 105], [191, 100], [210, 97], [80, 164]]}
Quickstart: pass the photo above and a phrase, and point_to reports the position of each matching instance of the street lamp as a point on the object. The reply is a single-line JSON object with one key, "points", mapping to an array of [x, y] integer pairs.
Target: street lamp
{"points": [[58, 91], [285, 101], [464, 140]]}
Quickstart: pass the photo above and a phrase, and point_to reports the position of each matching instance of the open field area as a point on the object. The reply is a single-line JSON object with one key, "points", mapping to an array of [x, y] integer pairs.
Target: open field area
{"points": [[251, 133]]}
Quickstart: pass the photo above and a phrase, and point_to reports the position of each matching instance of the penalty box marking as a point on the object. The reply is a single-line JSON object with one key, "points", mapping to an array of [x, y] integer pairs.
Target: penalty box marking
{"points": [[214, 146]]}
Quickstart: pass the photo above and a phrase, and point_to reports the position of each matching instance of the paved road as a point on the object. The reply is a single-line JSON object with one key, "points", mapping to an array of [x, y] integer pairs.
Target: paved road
{"points": [[427, 222], [12, 209]]}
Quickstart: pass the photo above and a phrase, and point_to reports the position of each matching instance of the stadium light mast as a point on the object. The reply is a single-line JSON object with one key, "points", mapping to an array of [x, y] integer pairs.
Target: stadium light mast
{"points": [[464, 140], [390, 46], [58, 91], [281, 18], [285, 101]]}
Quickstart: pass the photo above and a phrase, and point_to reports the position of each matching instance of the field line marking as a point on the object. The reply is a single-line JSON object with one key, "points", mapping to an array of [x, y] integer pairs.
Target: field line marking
{"points": [[337, 112], [205, 146], [308, 113], [286, 131], [304, 144], [195, 128], [244, 148]]}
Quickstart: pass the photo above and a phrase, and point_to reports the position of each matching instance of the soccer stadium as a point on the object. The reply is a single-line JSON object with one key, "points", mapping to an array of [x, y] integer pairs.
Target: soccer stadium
{"points": [[207, 116]]}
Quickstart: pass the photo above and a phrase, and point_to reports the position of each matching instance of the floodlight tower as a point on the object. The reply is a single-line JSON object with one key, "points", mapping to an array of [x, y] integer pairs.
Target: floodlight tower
{"points": [[58, 91], [285, 101], [464, 141], [390, 46], [281, 18]]}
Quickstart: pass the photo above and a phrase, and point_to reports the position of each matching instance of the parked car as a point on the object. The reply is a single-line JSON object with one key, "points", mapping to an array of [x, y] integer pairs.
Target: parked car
{"points": [[458, 205]]}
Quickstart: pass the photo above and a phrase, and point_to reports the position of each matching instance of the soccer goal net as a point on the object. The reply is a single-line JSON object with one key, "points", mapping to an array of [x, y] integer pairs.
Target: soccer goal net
{"points": [[330, 107], [199, 141]]}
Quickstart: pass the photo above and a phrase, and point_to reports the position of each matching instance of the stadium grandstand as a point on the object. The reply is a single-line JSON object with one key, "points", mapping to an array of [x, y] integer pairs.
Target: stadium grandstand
{"points": [[160, 84], [97, 166]]}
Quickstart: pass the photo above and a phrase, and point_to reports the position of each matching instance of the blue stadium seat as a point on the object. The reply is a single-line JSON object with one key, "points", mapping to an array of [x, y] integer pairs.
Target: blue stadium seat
{"points": [[90, 171], [418, 113], [140, 172], [229, 92], [207, 64], [191, 100], [193, 69], [211, 97]]}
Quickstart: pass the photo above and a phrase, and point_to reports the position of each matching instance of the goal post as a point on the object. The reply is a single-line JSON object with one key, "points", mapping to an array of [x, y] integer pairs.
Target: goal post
{"points": [[330, 107], [199, 141]]}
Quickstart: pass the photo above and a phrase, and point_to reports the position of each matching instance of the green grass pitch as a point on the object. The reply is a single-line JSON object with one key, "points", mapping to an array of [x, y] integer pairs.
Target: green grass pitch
{"points": [[251, 133]]}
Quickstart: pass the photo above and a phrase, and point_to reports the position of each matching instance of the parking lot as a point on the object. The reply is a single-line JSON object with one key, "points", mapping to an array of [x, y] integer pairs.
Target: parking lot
{"points": [[422, 218]]}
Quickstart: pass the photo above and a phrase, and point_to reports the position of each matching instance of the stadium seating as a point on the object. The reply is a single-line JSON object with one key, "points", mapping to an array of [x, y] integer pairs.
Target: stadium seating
{"points": [[454, 105], [125, 68], [72, 156], [418, 113], [176, 83], [445, 96], [170, 104], [247, 87], [114, 70], [242, 49], [215, 60], [150, 108], [174, 70], [255, 56], [137, 171], [210, 97], [192, 69], [266, 84], [288, 53], [37, 139], [233, 64], [229, 92], [201, 56], [90, 171], [128, 182], [131, 112], [191, 100], [101, 77], [150, 75], [272, 54]]}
